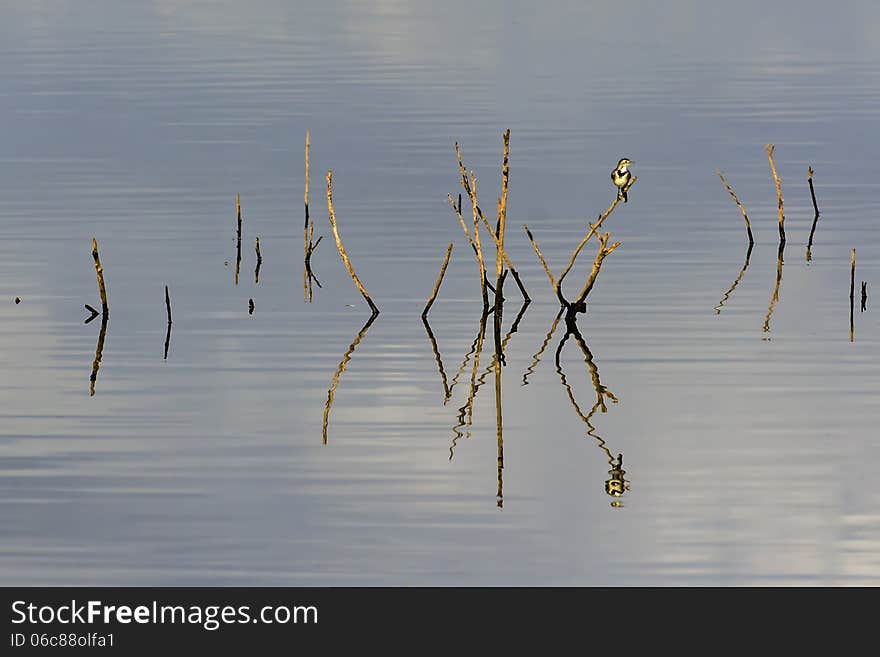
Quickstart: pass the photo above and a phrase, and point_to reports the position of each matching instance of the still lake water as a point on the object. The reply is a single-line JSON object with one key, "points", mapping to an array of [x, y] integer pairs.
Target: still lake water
{"points": [[750, 446]]}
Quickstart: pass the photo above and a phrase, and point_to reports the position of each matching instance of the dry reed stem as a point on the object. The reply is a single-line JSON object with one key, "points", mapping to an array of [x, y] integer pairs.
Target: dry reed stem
{"points": [[504, 255], [438, 282], [464, 228], [540, 257], [770, 148], [306, 192], [592, 231], [602, 253], [99, 271], [864, 296], [502, 207], [815, 213], [739, 205], [470, 187], [341, 249], [473, 193]]}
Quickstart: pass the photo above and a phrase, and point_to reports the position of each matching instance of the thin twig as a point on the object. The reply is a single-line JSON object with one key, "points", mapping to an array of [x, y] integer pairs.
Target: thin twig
{"points": [[579, 304], [473, 193], [438, 282], [470, 187], [592, 231], [341, 249], [740, 206], [99, 271], [502, 209], [540, 257], [770, 148]]}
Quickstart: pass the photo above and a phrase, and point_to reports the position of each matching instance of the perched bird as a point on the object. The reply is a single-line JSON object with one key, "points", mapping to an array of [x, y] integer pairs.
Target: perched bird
{"points": [[620, 176]]}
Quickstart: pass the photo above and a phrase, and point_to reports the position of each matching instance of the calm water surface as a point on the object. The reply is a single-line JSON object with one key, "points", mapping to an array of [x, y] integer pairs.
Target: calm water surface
{"points": [[749, 437]]}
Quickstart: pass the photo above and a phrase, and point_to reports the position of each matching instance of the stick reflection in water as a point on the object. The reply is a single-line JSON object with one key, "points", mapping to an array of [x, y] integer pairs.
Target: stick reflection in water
{"points": [[339, 370], [99, 351], [617, 484]]}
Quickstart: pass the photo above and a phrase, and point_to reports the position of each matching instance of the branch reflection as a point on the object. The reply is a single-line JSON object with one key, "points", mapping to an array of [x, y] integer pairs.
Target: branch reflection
{"points": [[736, 281], [536, 358], [99, 351], [339, 370], [447, 389], [617, 484], [775, 296], [465, 412]]}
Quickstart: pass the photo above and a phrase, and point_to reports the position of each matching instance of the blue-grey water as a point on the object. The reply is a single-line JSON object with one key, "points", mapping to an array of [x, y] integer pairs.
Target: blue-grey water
{"points": [[749, 442]]}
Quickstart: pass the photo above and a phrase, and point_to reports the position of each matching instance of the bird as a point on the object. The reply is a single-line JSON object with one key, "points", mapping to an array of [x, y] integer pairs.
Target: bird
{"points": [[621, 176]]}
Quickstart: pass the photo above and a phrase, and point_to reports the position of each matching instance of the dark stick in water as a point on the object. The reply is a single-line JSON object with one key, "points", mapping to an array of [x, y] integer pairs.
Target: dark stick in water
{"points": [[259, 263], [498, 361], [815, 211], [852, 293], [168, 311], [238, 238]]}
